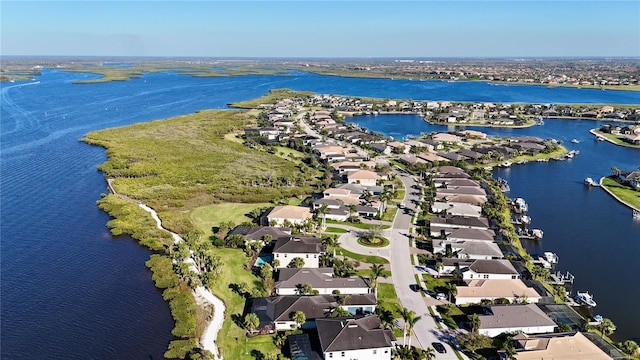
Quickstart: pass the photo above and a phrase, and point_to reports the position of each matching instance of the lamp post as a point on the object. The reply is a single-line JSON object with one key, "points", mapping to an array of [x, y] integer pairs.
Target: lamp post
{"points": [[246, 349]]}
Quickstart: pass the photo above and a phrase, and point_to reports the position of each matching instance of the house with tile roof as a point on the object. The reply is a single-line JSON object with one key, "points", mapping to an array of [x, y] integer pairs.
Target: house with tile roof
{"points": [[348, 338], [321, 280], [308, 248], [513, 290], [293, 214], [526, 318], [557, 346]]}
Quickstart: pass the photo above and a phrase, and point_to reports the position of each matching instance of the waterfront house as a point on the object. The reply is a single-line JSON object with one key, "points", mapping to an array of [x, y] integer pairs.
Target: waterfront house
{"points": [[468, 249], [321, 280], [260, 233], [490, 269], [292, 214], [450, 223], [308, 248], [513, 290], [557, 346], [459, 235], [381, 148], [526, 318], [349, 338], [275, 313], [457, 209]]}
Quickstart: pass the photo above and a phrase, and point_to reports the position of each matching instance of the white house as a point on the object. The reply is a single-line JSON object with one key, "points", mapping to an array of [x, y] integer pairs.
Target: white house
{"points": [[308, 248], [348, 338], [457, 209], [363, 177], [321, 280], [526, 318], [513, 290], [293, 214]]}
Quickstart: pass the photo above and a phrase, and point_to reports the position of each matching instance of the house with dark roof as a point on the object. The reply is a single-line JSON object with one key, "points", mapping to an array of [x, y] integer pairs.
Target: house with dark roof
{"points": [[490, 269], [321, 280], [468, 249], [526, 318], [471, 234], [260, 233], [308, 248], [347, 338], [276, 312]]}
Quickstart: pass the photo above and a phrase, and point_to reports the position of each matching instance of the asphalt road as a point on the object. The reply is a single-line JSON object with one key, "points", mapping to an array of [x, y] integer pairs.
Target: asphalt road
{"points": [[425, 331]]}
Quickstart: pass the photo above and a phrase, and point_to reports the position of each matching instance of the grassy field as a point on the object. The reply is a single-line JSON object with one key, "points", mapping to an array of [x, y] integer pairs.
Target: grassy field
{"points": [[205, 217], [617, 139], [624, 193], [363, 226], [234, 270], [370, 259], [336, 230], [183, 163], [272, 97]]}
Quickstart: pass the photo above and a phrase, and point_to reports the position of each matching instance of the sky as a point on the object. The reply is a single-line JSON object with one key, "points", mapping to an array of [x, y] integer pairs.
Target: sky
{"points": [[361, 29]]}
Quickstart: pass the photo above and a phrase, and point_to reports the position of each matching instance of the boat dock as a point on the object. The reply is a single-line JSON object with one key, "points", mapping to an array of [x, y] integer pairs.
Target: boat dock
{"points": [[559, 278]]}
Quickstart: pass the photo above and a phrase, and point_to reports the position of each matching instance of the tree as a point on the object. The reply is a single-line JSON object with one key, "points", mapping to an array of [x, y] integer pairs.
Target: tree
{"points": [[630, 347], [266, 271], [429, 353], [330, 241], [251, 322], [452, 290], [322, 212], [616, 171], [411, 322], [410, 319], [339, 312], [439, 266], [474, 320], [404, 352], [304, 289], [606, 327], [297, 263], [377, 270], [299, 317]]}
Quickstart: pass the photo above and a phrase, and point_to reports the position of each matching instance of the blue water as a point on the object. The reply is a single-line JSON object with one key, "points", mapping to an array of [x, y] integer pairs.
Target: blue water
{"points": [[263, 259], [69, 290], [595, 236]]}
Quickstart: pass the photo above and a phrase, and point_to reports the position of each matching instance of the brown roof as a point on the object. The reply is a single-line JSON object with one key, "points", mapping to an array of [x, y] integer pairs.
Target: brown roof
{"points": [[558, 346], [290, 212], [343, 334]]}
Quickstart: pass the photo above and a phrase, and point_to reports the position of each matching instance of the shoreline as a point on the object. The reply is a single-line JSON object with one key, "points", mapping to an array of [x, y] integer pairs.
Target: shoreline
{"points": [[204, 298], [598, 135], [614, 195]]}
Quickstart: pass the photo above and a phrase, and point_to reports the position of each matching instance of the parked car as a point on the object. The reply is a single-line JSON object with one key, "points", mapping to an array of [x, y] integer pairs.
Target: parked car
{"points": [[441, 296], [439, 347], [414, 287]]}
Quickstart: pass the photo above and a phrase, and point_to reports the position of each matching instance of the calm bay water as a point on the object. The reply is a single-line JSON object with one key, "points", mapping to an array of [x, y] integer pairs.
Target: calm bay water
{"points": [[595, 236], [69, 290]]}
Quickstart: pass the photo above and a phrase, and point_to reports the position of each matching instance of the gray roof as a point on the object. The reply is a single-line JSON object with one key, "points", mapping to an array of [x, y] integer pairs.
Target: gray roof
{"points": [[461, 182], [484, 248], [510, 316], [450, 170], [317, 278], [467, 190], [299, 245], [328, 202], [280, 308], [258, 232], [342, 334], [456, 262], [461, 221], [472, 234], [493, 267]]}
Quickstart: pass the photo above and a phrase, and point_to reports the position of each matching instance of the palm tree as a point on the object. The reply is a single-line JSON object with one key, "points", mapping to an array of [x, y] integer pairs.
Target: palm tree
{"points": [[251, 322], [304, 289], [452, 290], [630, 347], [321, 212], [297, 263], [330, 241], [439, 266], [475, 322], [339, 312], [404, 352], [410, 319], [299, 317], [377, 270], [616, 171], [606, 327], [429, 353]]}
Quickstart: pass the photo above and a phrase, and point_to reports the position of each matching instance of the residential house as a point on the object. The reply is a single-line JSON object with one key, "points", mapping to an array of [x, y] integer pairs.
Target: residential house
{"points": [[309, 248], [459, 235], [490, 269], [275, 313], [321, 280], [526, 318], [557, 346], [363, 177], [447, 138], [336, 209], [456, 209], [399, 147], [468, 249], [450, 223], [348, 338], [293, 214], [381, 148], [513, 290], [260, 233]]}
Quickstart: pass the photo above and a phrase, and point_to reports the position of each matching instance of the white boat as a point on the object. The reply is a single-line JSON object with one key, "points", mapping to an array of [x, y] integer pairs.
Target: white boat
{"points": [[521, 205], [551, 257], [589, 181], [537, 233], [575, 141], [636, 214], [506, 164], [585, 298]]}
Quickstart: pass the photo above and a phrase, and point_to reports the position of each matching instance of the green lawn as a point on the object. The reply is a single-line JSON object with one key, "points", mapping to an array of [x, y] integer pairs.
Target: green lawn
{"points": [[205, 217], [387, 297], [370, 259], [336, 230], [624, 193], [389, 214], [363, 226], [618, 139], [234, 270]]}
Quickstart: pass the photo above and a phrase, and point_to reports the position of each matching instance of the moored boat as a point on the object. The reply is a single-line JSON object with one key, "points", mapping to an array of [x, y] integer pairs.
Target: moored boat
{"points": [[585, 298]]}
